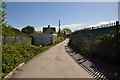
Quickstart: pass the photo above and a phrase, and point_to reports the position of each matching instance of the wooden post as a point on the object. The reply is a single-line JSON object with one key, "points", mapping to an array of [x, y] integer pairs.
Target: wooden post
{"points": [[59, 27]]}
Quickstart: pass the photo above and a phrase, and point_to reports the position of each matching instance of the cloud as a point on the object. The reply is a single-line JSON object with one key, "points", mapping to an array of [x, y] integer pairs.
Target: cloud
{"points": [[38, 28], [19, 28], [102, 23], [71, 26]]}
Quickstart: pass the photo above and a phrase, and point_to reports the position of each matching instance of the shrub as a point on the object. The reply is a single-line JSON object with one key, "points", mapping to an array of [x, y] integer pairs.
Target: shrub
{"points": [[15, 54], [12, 55]]}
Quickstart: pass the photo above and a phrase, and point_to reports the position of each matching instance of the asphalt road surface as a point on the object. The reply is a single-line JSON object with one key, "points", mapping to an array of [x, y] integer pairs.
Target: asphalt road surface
{"points": [[53, 63]]}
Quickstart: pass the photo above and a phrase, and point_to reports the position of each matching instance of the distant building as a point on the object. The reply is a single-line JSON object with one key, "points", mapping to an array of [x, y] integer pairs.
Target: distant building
{"points": [[44, 39], [49, 30]]}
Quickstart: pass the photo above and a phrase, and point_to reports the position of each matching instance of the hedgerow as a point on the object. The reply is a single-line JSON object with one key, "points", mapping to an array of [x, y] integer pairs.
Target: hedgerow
{"points": [[12, 55], [11, 31], [15, 54], [101, 45]]}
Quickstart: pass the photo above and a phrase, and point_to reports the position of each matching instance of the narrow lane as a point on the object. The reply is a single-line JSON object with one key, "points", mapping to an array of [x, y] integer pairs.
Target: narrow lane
{"points": [[53, 63]]}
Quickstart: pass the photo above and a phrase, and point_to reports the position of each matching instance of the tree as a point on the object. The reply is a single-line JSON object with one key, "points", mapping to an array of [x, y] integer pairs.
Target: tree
{"points": [[3, 13], [66, 31], [2, 17], [28, 30], [61, 35]]}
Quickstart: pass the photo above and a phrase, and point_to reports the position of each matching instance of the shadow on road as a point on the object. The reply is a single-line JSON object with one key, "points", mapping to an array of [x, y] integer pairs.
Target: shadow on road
{"points": [[95, 68]]}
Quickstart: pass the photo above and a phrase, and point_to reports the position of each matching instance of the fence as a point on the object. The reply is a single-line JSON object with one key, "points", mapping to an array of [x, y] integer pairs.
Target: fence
{"points": [[16, 39], [101, 42]]}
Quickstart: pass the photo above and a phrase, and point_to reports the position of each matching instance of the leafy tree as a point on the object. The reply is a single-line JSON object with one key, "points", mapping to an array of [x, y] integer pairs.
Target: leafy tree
{"points": [[3, 13], [61, 35], [2, 17], [66, 31], [28, 30], [2, 22]]}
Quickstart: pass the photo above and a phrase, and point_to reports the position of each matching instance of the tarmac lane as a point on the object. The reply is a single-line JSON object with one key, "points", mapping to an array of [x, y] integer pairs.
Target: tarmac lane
{"points": [[53, 63]]}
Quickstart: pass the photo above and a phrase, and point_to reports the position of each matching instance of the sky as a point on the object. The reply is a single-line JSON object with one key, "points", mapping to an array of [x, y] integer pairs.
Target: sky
{"points": [[119, 11], [73, 15], [62, 0]]}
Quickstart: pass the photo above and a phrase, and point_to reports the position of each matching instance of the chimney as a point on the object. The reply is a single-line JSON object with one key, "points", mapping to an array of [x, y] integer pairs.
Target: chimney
{"points": [[117, 23], [48, 26]]}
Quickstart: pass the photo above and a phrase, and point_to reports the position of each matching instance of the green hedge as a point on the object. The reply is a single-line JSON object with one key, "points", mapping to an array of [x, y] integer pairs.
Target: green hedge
{"points": [[12, 35], [15, 54], [100, 45], [11, 31], [12, 55]]}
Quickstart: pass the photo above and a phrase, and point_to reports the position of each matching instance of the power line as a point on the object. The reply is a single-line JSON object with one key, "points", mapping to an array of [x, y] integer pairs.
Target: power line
{"points": [[52, 15], [48, 11]]}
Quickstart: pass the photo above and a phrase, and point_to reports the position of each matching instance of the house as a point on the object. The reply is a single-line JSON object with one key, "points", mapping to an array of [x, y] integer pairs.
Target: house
{"points": [[45, 39], [49, 30]]}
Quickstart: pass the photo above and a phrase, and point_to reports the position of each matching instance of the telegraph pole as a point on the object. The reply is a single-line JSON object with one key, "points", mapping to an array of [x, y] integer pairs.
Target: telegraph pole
{"points": [[59, 27]]}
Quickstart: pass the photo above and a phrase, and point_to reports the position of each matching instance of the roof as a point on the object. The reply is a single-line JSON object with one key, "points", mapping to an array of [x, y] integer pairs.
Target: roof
{"points": [[45, 28]]}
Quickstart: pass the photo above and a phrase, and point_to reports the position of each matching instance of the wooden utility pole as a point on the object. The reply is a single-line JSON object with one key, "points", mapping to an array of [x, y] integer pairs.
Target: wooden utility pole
{"points": [[59, 27]]}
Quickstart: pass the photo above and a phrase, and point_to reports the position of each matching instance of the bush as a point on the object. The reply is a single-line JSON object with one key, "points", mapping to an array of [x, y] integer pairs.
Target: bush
{"points": [[11, 31], [12, 55], [15, 54], [98, 44]]}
